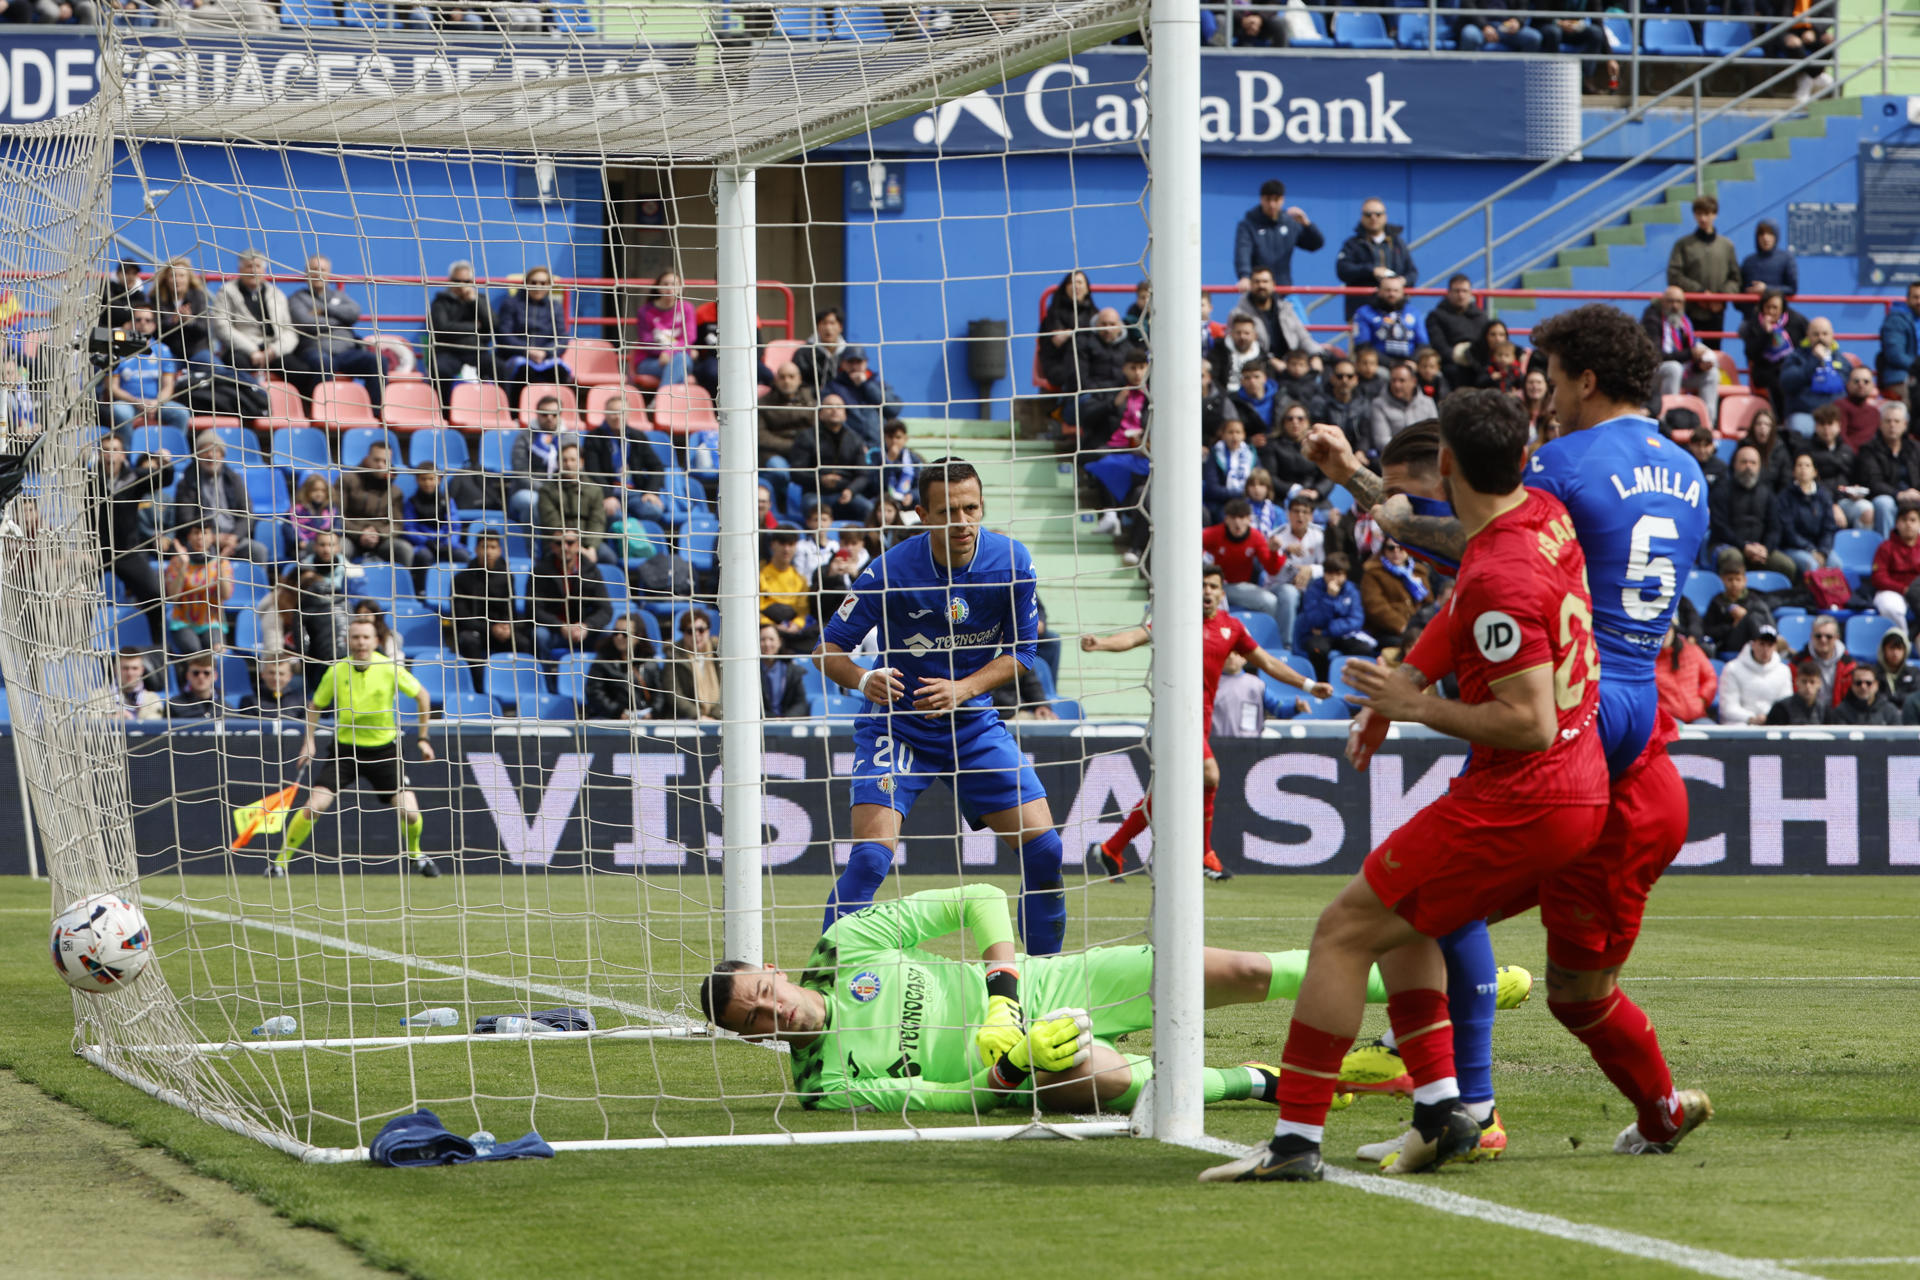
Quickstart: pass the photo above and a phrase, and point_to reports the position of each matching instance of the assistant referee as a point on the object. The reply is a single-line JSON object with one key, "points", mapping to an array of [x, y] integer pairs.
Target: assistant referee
{"points": [[366, 742]]}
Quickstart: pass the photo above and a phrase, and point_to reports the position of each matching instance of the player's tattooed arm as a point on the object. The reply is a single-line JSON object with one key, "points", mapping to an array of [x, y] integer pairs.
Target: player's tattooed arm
{"points": [[1440, 535], [1328, 448]]}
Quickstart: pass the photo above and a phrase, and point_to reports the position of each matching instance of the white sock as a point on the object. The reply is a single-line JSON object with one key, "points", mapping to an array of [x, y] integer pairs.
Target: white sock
{"points": [[1481, 1111], [1259, 1079], [1311, 1132], [1390, 1040], [1441, 1090]]}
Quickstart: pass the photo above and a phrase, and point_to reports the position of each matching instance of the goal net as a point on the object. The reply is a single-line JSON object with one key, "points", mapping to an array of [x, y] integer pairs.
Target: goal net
{"points": [[412, 266]]}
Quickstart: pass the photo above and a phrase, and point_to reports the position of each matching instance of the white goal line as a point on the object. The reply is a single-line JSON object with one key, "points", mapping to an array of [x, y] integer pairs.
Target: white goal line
{"points": [[1706, 1262]]}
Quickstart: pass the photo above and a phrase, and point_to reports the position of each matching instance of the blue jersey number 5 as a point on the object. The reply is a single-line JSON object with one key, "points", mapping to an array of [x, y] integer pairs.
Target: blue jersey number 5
{"points": [[1648, 572]]}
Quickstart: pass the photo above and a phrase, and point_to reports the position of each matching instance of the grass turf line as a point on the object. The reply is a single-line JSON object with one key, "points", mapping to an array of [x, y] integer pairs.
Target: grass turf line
{"points": [[1814, 1085]]}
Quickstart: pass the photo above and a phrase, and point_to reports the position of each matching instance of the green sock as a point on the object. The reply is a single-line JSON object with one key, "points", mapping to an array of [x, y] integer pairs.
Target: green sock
{"points": [[415, 827], [1289, 967], [299, 827], [1226, 1084], [1142, 1069]]}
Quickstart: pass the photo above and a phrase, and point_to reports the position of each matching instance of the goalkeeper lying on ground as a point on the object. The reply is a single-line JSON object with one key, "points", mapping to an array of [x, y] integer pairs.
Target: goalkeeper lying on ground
{"points": [[877, 1022]]}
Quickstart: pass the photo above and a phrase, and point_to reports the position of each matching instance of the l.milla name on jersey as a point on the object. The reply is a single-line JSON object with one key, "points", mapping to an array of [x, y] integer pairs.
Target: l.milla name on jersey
{"points": [[1659, 480]]}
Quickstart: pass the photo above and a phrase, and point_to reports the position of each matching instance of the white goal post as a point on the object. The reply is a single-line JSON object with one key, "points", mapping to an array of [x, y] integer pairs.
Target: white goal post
{"points": [[726, 89]]}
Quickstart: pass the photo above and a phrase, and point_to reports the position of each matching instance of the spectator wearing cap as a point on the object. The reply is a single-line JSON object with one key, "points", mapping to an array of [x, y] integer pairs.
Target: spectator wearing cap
{"points": [[1741, 512], [1864, 704], [868, 399], [1804, 706], [1899, 360], [1887, 467], [1269, 233], [123, 292], [1734, 615], [1896, 568], [1388, 324], [1859, 408], [1684, 677], [1373, 252], [1755, 680], [1898, 677], [1705, 262]]}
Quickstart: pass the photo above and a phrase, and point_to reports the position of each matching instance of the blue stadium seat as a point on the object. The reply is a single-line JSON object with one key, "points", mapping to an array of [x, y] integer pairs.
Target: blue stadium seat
{"points": [[240, 443], [1619, 35], [132, 626], [615, 576], [1722, 37], [381, 583], [444, 447], [572, 680], [1264, 630], [1702, 586], [362, 13], [1795, 630], [444, 675], [6, 713], [1724, 450], [468, 705], [300, 451], [147, 439], [1767, 580], [1670, 38], [1318, 40], [439, 587], [552, 706], [1353, 30], [354, 442], [1853, 550], [570, 17], [834, 702], [1411, 29], [266, 490], [250, 582], [1067, 709], [511, 678], [418, 631], [307, 13], [703, 539], [246, 630], [1863, 635], [496, 450], [798, 22]]}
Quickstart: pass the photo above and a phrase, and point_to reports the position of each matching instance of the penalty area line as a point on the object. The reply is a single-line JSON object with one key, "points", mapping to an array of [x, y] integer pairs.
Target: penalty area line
{"points": [[1706, 1262]]}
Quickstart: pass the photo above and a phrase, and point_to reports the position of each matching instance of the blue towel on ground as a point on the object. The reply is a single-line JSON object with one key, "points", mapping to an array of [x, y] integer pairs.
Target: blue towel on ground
{"points": [[1117, 473], [409, 1142], [563, 1019]]}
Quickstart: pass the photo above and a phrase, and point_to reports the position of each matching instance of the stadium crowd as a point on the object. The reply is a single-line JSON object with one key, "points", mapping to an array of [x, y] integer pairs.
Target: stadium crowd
{"points": [[1813, 491]]}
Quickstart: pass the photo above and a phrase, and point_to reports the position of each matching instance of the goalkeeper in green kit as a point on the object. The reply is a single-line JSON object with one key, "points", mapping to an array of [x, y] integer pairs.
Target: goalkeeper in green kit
{"points": [[877, 1022]]}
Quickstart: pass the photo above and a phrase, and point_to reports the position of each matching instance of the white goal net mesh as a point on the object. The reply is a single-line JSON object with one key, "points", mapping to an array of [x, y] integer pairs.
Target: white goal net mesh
{"points": [[484, 246]]}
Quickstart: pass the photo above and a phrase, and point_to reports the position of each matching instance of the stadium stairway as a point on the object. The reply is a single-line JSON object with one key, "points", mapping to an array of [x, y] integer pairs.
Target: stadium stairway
{"points": [[1805, 157], [1030, 494]]}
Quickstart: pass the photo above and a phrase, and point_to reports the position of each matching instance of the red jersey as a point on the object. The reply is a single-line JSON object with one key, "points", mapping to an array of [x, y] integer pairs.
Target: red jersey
{"points": [[1521, 603], [1221, 635], [1240, 561]]}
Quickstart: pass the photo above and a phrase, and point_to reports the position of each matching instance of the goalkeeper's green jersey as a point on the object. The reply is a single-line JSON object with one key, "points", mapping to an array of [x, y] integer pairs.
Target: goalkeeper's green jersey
{"points": [[900, 1020]]}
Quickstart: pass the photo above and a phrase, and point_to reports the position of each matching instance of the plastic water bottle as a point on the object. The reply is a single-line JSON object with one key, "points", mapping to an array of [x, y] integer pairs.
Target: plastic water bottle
{"points": [[512, 1024], [441, 1017], [482, 1143], [283, 1025]]}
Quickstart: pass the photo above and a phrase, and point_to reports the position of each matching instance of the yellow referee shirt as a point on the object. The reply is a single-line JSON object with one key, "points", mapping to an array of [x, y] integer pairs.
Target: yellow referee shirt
{"points": [[367, 715]]}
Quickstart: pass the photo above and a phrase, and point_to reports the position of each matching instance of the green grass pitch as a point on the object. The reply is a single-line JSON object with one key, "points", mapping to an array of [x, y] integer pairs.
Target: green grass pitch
{"points": [[1793, 1001]]}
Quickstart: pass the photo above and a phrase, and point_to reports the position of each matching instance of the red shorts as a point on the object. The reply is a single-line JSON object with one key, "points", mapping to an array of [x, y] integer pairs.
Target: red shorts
{"points": [[1458, 860], [1206, 747], [1592, 909]]}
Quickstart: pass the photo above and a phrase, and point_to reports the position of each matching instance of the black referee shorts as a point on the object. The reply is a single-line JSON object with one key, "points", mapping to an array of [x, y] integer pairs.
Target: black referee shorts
{"points": [[378, 767]]}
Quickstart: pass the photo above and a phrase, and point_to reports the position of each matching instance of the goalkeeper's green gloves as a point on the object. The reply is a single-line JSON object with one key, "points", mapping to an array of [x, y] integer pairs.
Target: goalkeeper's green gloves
{"points": [[1059, 1041], [1002, 1030]]}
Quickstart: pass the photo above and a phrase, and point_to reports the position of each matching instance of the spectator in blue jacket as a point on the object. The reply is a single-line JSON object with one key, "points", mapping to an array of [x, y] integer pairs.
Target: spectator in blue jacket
{"points": [[1769, 266], [1815, 373], [868, 399], [1388, 325], [529, 331], [1899, 360], [1803, 516], [1487, 29], [1267, 237], [1331, 616], [1373, 252], [433, 520], [1256, 401]]}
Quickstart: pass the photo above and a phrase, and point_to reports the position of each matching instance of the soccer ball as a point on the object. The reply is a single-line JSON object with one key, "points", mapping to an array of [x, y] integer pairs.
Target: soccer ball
{"points": [[101, 943]]}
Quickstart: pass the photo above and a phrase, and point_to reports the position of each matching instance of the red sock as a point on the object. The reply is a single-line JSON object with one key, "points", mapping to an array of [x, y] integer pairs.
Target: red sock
{"points": [[1309, 1069], [1424, 1032], [1116, 844], [1623, 1044], [1206, 831]]}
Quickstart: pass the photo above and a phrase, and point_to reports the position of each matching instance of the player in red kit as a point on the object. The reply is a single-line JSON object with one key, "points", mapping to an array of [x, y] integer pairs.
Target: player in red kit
{"points": [[1531, 803], [1222, 634]]}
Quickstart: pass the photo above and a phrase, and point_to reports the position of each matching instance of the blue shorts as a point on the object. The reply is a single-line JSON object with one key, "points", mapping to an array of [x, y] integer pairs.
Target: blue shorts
{"points": [[1627, 715], [982, 761]]}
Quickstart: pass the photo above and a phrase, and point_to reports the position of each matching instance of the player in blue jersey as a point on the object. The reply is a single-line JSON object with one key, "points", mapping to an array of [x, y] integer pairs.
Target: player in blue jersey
{"points": [[1639, 508], [957, 615]]}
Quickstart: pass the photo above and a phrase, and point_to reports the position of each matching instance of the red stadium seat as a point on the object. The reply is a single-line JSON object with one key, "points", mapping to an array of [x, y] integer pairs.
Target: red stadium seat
{"points": [[284, 408], [781, 351], [597, 398], [533, 395], [595, 363], [411, 406], [1737, 409], [481, 406], [343, 405], [684, 408], [1694, 403]]}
